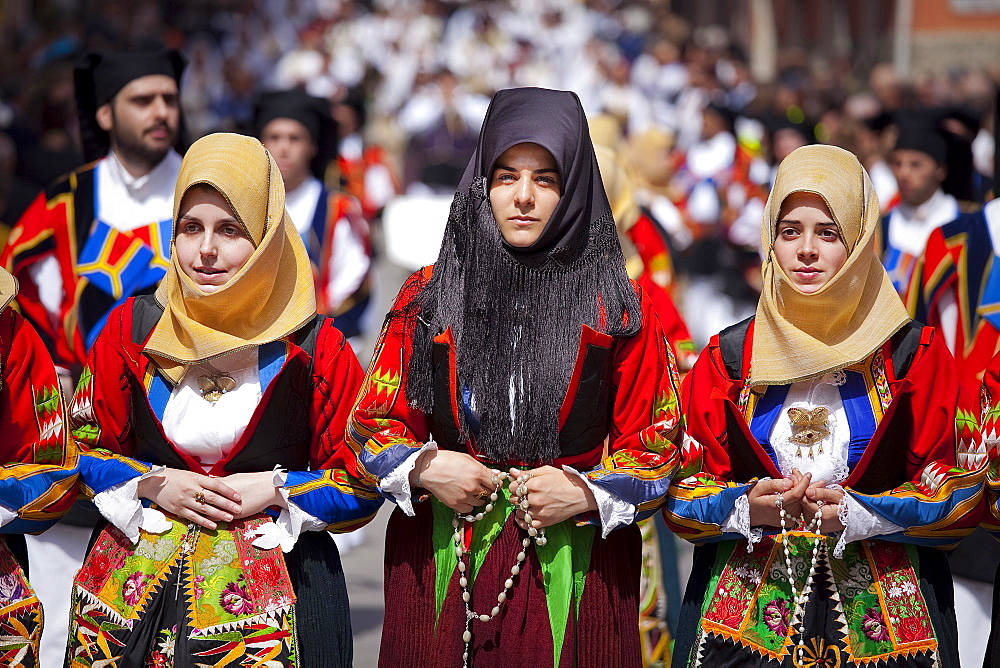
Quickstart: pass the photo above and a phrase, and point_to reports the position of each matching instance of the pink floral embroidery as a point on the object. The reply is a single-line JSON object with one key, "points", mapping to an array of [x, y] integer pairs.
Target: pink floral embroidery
{"points": [[874, 626], [132, 589], [776, 616], [198, 591], [11, 589], [235, 601]]}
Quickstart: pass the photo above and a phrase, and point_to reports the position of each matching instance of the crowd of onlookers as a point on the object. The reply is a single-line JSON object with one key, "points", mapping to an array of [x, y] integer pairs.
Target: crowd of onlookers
{"points": [[415, 76]]}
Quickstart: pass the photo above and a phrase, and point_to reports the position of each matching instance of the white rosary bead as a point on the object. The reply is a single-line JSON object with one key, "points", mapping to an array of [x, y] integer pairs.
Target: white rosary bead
{"points": [[533, 534]]}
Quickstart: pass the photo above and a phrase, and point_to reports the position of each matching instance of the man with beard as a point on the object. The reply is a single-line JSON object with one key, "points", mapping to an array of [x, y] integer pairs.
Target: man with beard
{"points": [[91, 239], [101, 233]]}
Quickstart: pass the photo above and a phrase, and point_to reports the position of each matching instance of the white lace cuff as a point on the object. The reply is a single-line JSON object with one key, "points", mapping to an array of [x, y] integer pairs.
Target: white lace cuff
{"points": [[7, 515], [291, 522], [859, 523], [397, 483], [120, 505], [614, 512], [738, 521]]}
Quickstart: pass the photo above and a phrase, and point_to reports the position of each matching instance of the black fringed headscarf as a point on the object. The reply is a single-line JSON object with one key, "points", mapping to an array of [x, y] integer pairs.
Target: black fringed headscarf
{"points": [[516, 313]]}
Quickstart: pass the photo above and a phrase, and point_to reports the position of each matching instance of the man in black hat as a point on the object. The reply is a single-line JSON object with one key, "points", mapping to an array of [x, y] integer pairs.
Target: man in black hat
{"points": [[299, 132], [919, 162], [90, 240], [102, 233]]}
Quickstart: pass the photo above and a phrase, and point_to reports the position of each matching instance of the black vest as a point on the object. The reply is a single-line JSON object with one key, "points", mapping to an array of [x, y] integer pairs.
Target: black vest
{"points": [[283, 433]]}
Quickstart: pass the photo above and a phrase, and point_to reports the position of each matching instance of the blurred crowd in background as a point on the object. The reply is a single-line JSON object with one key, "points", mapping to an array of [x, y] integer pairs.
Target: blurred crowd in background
{"points": [[409, 82]]}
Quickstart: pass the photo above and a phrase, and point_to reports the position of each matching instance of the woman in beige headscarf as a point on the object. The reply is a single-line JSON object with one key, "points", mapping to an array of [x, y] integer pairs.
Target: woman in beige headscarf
{"points": [[833, 461], [212, 418]]}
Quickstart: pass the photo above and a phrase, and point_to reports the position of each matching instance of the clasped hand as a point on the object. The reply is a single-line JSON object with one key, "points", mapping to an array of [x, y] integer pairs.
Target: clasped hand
{"points": [[800, 498], [463, 483], [205, 500]]}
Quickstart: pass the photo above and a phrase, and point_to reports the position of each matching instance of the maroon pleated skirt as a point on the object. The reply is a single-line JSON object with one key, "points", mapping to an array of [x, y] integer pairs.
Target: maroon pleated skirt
{"points": [[603, 632]]}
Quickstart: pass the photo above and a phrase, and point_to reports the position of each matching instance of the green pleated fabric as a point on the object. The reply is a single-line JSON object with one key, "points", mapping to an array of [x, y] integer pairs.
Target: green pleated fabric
{"points": [[564, 559]]}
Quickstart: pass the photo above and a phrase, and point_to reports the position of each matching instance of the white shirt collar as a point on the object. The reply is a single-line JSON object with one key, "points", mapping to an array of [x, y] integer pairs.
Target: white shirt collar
{"points": [[128, 203], [911, 226], [301, 203], [139, 187], [940, 208]]}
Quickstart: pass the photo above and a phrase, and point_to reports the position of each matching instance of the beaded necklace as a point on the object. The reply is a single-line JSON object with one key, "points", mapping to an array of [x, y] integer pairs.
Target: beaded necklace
{"points": [[538, 535], [801, 598]]}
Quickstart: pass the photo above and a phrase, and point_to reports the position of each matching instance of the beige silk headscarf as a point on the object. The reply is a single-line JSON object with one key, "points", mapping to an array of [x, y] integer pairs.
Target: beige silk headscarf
{"points": [[797, 335], [269, 298], [623, 205], [8, 288], [649, 160]]}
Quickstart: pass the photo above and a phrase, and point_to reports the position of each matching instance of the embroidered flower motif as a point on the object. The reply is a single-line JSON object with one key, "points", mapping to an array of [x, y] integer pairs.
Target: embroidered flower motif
{"points": [[908, 588], [776, 616], [99, 564], [198, 591], [729, 611], [266, 572], [167, 643], [751, 575], [873, 625], [235, 601], [249, 533], [912, 629], [132, 589], [11, 589]]}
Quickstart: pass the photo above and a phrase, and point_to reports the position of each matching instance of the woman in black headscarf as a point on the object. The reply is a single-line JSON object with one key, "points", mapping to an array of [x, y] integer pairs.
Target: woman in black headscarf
{"points": [[522, 388]]}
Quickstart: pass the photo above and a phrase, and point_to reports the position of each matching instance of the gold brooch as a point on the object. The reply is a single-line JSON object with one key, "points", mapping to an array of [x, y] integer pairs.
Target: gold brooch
{"points": [[213, 387], [809, 427]]}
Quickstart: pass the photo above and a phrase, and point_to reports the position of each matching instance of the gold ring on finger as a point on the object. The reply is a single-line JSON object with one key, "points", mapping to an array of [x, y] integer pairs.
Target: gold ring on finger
{"points": [[199, 496]]}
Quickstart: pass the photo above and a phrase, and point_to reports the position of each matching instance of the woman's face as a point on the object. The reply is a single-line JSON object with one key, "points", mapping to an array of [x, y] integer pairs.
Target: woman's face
{"points": [[524, 190], [808, 245], [211, 245]]}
